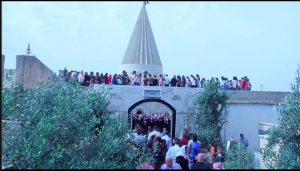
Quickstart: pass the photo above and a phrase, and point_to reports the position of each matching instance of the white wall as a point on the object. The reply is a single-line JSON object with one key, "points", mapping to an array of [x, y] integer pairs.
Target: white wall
{"points": [[247, 108], [243, 118]]}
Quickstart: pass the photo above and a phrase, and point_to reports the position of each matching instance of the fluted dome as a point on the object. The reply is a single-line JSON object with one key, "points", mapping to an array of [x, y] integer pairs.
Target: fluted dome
{"points": [[142, 54]]}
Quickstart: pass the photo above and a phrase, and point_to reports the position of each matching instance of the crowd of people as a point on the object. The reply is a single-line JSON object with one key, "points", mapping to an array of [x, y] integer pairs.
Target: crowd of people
{"points": [[147, 79], [186, 152], [162, 120]]}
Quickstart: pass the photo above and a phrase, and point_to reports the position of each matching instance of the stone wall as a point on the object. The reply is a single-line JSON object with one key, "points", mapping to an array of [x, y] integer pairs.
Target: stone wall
{"points": [[246, 108], [30, 71]]}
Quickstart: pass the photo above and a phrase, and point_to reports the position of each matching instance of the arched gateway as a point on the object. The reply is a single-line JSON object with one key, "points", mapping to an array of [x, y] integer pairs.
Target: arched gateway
{"points": [[255, 106], [124, 99], [173, 120]]}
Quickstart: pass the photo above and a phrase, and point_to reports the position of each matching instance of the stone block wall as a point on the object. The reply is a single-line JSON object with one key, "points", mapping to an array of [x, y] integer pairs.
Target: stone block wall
{"points": [[30, 71]]}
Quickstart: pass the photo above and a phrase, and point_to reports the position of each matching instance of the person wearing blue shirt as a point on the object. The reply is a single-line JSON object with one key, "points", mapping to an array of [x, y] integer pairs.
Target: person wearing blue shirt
{"points": [[243, 140], [195, 150]]}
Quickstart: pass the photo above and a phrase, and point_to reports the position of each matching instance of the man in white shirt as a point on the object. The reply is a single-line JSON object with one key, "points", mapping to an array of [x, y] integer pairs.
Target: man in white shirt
{"points": [[231, 143], [168, 139], [133, 77], [80, 77], [139, 138], [174, 150], [154, 132], [167, 81], [73, 74]]}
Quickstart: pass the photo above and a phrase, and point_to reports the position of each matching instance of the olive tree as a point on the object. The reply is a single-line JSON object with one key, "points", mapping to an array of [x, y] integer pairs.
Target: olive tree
{"points": [[58, 123], [285, 135], [210, 114]]}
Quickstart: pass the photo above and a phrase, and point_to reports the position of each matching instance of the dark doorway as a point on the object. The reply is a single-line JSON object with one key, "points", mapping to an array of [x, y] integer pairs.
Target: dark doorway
{"points": [[159, 101]]}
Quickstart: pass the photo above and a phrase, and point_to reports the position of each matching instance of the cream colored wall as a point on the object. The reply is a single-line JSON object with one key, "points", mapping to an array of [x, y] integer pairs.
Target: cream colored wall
{"points": [[263, 141]]}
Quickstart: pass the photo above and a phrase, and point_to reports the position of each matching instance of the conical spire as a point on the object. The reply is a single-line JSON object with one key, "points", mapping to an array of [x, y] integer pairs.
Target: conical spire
{"points": [[142, 47]]}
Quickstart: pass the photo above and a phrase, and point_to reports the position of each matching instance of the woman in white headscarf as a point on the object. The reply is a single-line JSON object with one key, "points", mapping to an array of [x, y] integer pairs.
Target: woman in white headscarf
{"points": [[185, 153], [186, 149]]}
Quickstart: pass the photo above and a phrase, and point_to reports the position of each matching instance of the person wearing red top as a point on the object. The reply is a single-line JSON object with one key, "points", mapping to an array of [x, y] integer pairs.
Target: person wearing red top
{"points": [[140, 128], [106, 77], [184, 140], [109, 79], [244, 82], [146, 81], [212, 149]]}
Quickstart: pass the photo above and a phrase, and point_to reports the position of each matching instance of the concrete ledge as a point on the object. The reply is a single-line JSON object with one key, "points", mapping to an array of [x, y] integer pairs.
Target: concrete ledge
{"points": [[270, 102], [237, 97]]}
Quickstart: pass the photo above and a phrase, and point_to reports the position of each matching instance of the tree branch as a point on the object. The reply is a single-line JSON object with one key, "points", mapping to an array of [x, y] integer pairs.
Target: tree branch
{"points": [[221, 108], [222, 124]]}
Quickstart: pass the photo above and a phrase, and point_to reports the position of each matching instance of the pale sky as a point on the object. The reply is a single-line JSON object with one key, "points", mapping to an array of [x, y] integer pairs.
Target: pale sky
{"points": [[260, 40]]}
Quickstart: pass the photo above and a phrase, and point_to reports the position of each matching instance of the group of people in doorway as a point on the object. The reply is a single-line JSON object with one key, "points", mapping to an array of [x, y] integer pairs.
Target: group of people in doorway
{"points": [[162, 120]]}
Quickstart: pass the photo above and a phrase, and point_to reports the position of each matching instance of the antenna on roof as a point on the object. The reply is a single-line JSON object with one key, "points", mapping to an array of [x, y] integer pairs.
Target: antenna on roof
{"points": [[28, 51]]}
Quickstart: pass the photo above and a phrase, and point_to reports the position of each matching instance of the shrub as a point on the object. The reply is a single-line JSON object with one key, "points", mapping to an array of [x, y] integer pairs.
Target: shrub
{"points": [[238, 158], [57, 123], [285, 135]]}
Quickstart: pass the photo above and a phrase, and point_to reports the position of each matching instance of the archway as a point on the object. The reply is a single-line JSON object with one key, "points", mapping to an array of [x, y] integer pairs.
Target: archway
{"points": [[159, 101]]}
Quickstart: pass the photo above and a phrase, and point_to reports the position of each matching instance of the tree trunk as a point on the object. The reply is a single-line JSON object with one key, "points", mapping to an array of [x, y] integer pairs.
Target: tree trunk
{"points": [[219, 135]]}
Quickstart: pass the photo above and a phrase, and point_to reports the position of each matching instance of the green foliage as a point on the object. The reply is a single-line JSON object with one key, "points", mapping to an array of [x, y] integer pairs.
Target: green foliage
{"points": [[57, 122], [285, 135], [211, 104], [238, 158]]}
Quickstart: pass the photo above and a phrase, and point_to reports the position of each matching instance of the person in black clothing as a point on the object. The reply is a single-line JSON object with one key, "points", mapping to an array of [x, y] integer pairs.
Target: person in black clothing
{"points": [[86, 81], [178, 81], [155, 81], [167, 123], [115, 80], [219, 155], [182, 161], [183, 81], [158, 156], [200, 163], [106, 76], [163, 146], [149, 148], [160, 123], [98, 80], [173, 81]]}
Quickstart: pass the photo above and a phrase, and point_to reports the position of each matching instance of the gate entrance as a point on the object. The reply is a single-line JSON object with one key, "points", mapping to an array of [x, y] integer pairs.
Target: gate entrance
{"points": [[150, 112]]}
